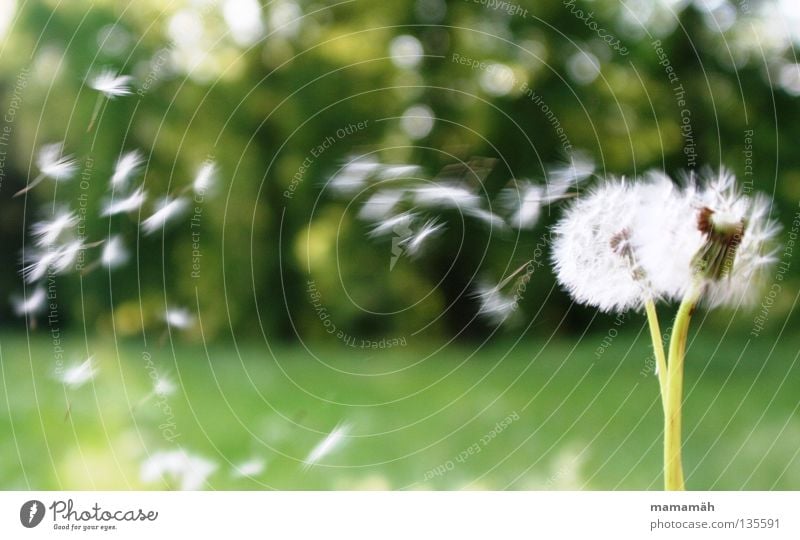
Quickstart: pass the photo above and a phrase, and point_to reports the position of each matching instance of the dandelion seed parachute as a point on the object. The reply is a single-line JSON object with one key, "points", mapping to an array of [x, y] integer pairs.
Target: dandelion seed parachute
{"points": [[126, 166], [326, 446], [166, 210], [46, 233], [77, 375], [31, 304], [131, 203], [111, 85], [205, 178], [189, 471]]}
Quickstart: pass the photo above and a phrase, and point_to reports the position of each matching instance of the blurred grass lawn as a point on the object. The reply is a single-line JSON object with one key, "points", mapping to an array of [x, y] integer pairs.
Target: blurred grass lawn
{"points": [[584, 423]]}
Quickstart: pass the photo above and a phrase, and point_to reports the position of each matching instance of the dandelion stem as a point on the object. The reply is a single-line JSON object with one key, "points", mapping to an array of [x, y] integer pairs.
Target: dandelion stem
{"points": [[658, 349], [96, 111], [36, 181], [673, 468]]}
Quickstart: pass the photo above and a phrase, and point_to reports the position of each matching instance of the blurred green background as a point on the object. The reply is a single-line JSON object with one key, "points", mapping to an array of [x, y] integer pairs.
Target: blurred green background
{"points": [[258, 87]]}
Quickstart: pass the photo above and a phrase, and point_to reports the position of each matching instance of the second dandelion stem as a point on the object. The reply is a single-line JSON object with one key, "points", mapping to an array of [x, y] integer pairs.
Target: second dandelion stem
{"points": [[658, 349], [673, 468]]}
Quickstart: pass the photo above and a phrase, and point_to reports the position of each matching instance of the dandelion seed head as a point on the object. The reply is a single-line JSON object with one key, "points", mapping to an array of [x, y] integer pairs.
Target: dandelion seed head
{"points": [[592, 251]]}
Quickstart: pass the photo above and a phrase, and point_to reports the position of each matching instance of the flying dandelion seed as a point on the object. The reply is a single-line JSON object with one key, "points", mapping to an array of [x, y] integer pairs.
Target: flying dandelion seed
{"points": [[179, 318], [326, 446], [250, 468], [131, 203], [487, 217], [109, 85], [494, 304], [414, 243], [32, 304], [127, 165], [77, 375], [380, 204], [189, 472], [46, 233], [114, 253], [399, 222], [205, 178], [353, 176], [523, 203], [446, 196], [166, 210], [52, 164], [164, 387]]}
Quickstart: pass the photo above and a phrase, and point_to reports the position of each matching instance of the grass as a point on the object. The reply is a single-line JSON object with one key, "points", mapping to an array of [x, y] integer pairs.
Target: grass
{"points": [[571, 418]]}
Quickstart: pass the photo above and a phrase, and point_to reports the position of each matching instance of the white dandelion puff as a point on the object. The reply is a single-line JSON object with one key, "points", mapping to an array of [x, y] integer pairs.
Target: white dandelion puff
{"points": [[189, 472], [131, 203], [111, 85], [30, 304], [46, 233], [77, 375], [328, 445], [127, 165], [179, 318], [250, 468], [205, 178], [114, 253], [592, 251], [166, 210]]}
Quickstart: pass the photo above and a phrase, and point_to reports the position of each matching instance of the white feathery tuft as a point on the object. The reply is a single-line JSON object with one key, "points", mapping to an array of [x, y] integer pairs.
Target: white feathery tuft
{"points": [[400, 222], [179, 318], [326, 446], [250, 468], [131, 203], [46, 233], [114, 252], [190, 472], [380, 204], [31, 304], [111, 85], [127, 165], [166, 210], [77, 375], [205, 178], [523, 203], [414, 243], [53, 164], [446, 195]]}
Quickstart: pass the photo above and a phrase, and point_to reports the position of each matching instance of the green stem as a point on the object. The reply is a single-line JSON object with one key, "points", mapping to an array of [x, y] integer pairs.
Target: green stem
{"points": [[658, 349], [673, 468]]}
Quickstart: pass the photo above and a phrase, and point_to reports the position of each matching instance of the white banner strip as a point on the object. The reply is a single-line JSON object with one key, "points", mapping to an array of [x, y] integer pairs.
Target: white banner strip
{"points": [[400, 515]]}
